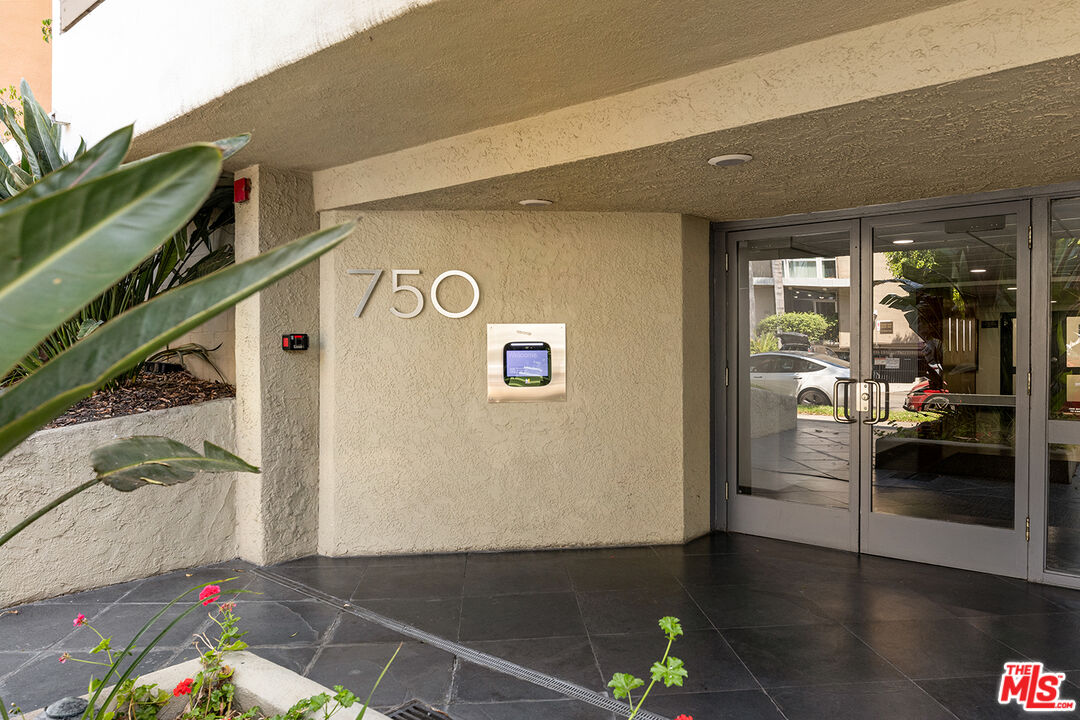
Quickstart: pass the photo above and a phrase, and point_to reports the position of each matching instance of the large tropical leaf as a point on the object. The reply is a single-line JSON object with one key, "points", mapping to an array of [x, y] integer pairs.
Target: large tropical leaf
{"points": [[42, 132], [103, 158], [120, 344], [61, 251], [131, 463]]}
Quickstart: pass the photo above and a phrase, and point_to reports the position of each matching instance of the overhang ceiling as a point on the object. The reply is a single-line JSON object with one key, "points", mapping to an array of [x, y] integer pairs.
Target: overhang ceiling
{"points": [[455, 66], [1015, 128]]}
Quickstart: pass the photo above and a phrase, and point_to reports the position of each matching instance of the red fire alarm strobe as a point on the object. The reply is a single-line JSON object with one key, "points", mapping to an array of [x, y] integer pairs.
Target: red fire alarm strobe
{"points": [[294, 342], [241, 190]]}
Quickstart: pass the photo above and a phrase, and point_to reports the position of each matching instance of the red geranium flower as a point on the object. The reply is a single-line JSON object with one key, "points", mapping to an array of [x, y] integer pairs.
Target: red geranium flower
{"points": [[684, 717], [80, 619], [209, 594], [184, 688]]}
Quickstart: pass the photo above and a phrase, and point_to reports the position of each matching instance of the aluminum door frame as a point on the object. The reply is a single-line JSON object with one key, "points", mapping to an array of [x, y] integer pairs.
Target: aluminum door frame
{"points": [[972, 547], [783, 520]]}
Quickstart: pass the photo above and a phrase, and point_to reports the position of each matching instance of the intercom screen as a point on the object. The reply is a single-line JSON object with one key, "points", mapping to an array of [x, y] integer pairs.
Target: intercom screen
{"points": [[527, 363]]}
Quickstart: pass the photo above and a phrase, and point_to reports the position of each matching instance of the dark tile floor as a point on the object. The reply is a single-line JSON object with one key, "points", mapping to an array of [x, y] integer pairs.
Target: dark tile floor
{"points": [[773, 630]]}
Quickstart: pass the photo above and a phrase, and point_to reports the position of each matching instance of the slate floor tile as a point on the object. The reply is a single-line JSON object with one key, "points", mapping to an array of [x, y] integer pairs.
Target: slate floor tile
{"points": [[510, 573], [511, 617], [613, 573], [338, 581], [11, 661], [534, 710], [567, 658], [935, 648], [625, 611], [974, 698], [439, 616], [295, 659], [410, 582], [419, 672], [853, 601], [36, 627], [1052, 639], [166, 588], [285, 623], [731, 606], [734, 705], [807, 655], [711, 664], [900, 700], [123, 621]]}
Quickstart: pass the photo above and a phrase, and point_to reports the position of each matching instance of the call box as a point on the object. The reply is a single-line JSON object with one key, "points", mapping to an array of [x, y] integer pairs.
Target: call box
{"points": [[526, 362]]}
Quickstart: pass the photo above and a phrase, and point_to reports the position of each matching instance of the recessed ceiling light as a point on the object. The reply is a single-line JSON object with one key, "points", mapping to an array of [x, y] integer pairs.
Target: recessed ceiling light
{"points": [[730, 160], [978, 270], [902, 242], [1012, 288], [534, 202]]}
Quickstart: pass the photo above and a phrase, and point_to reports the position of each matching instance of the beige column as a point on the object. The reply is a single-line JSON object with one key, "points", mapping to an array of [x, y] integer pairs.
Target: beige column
{"points": [[277, 409]]}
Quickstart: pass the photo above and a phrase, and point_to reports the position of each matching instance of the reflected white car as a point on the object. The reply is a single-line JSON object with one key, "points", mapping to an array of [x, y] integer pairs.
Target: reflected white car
{"points": [[812, 374]]}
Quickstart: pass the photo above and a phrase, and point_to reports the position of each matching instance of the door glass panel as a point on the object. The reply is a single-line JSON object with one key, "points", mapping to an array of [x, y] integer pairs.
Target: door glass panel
{"points": [[1064, 271], [794, 305], [1063, 509], [944, 323]]}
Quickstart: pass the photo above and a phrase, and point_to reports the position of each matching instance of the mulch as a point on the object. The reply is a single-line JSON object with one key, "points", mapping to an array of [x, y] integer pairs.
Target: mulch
{"points": [[148, 391]]}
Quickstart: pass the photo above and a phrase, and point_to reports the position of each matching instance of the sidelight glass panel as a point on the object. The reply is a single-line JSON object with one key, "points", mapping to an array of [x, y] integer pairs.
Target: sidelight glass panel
{"points": [[794, 343], [944, 323], [1064, 375]]}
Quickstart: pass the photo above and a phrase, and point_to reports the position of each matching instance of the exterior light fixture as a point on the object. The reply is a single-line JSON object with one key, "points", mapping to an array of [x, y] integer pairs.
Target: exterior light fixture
{"points": [[978, 270], [534, 202], [902, 242], [730, 160], [1010, 288]]}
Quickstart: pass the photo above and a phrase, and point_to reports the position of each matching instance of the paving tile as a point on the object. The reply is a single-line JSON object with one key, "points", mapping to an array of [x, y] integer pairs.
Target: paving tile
{"points": [[439, 616], [534, 710], [338, 580], [511, 573], [935, 648], [45, 680], [711, 664], [807, 655], [853, 601], [734, 569], [443, 561], [323, 561], [1052, 639], [568, 658], [613, 573], [509, 617], [731, 606], [711, 544], [295, 659], [123, 621], [410, 582], [973, 698], [96, 597], [285, 623], [901, 700], [734, 705], [10, 661], [419, 672], [625, 611], [35, 627], [166, 588]]}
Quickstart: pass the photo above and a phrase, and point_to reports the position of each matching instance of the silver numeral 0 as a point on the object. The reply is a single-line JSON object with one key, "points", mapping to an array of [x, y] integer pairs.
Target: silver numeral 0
{"points": [[435, 293], [395, 287]]}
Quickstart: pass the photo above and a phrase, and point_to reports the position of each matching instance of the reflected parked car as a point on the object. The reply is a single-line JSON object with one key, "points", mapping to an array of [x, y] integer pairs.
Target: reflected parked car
{"points": [[813, 374], [921, 397]]}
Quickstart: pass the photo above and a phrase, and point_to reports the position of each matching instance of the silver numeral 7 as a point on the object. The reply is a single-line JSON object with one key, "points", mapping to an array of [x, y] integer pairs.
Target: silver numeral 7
{"points": [[375, 275]]}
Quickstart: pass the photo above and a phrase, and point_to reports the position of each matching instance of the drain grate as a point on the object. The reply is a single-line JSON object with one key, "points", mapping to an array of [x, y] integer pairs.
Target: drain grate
{"points": [[416, 710], [570, 690]]}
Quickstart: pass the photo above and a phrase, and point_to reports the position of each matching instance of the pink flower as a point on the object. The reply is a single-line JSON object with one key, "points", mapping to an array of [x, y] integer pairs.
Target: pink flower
{"points": [[184, 688], [80, 619], [209, 594], [684, 717], [64, 658], [228, 607]]}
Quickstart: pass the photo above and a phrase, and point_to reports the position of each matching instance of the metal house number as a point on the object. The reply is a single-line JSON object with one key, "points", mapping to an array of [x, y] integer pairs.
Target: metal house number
{"points": [[396, 287]]}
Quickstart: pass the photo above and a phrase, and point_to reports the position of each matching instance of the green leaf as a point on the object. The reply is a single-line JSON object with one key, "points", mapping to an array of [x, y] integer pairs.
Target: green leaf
{"points": [[622, 683], [86, 327], [103, 646], [43, 137], [671, 672], [133, 462], [95, 683], [103, 158], [122, 343], [60, 252], [231, 146], [671, 627]]}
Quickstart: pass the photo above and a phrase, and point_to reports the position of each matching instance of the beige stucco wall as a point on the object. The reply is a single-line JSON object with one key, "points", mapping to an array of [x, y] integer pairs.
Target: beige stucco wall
{"points": [[26, 54], [414, 458], [103, 536]]}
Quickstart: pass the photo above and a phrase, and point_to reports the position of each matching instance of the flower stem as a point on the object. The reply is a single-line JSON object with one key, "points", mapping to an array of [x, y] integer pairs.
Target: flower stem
{"points": [[642, 700], [55, 503]]}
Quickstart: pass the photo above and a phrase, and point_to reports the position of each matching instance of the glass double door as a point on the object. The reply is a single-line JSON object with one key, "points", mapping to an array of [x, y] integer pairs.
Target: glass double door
{"points": [[881, 394]]}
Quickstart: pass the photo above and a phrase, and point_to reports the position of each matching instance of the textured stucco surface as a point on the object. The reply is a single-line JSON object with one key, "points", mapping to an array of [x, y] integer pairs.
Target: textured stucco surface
{"points": [[103, 536], [415, 459], [439, 70], [946, 45], [277, 392]]}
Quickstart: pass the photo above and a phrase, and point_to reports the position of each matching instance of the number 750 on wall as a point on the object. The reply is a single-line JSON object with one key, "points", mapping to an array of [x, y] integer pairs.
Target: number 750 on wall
{"points": [[397, 287]]}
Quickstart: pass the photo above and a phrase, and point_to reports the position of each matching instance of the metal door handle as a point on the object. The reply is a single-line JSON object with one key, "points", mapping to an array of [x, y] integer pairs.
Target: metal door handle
{"points": [[846, 385], [879, 401]]}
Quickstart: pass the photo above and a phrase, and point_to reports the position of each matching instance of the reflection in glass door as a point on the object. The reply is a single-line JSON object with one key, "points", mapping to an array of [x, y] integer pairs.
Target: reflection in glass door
{"points": [[944, 292], [796, 333]]}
